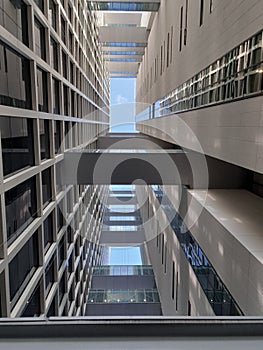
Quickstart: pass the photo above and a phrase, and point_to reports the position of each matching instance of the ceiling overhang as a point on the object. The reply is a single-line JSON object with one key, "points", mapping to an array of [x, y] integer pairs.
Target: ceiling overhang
{"points": [[124, 28]]}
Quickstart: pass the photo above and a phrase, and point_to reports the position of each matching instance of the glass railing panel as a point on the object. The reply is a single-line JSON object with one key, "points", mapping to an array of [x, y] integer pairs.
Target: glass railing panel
{"points": [[123, 296], [123, 270]]}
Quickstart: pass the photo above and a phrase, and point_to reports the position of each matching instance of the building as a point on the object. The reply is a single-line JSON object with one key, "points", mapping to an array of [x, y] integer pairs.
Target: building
{"points": [[197, 220], [54, 96]]}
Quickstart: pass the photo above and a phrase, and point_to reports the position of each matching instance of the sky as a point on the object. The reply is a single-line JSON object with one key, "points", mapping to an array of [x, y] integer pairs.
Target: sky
{"points": [[122, 99], [125, 256]]}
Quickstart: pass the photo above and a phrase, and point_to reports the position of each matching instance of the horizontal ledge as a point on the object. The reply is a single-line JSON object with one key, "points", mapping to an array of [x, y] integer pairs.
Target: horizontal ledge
{"points": [[90, 327]]}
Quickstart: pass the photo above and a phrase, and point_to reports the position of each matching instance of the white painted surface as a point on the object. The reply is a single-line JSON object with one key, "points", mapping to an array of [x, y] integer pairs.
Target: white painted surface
{"points": [[135, 344]]}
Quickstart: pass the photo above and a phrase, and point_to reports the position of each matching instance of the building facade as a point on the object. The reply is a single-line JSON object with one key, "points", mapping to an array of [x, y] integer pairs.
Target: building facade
{"points": [[54, 95], [201, 76]]}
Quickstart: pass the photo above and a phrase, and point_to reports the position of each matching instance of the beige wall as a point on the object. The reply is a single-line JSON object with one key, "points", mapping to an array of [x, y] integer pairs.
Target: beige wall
{"points": [[230, 23]]}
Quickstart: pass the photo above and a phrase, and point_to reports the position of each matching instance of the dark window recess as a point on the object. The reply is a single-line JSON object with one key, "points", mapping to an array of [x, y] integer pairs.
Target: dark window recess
{"points": [[40, 4], [72, 103], [15, 87], [63, 30], [44, 139], [60, 219], [50, 275], [21, 208], [64, 65], [40, 42], [46, 186], [61, 251], [62, 287], [57, 135], [176, 291], [181, 29], [53, 14], [14, 19], [52, 309], [65, 95], [22, 267], [48, 231], [173, 279], [162, 248], [54, 54], [33, 308], [186, 21], [42, 90], [17, 143], [56, 104], [168, 50], [201, 12], [189, 308]]}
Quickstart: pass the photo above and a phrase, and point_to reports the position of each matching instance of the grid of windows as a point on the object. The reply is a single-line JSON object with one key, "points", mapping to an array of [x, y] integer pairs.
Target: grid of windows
{"points": [[236, 75], [33, 202]]}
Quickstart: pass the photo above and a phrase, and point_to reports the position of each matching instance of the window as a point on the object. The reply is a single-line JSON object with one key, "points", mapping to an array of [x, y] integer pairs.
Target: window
{"points": [[60, 219], [57, 136], [40, 4], [40, 43], [186, 21], [201, 12], [21, 208], [50, 275], [22, 267], [53, 14], [48, 231], [42, 90], [72, 103], [168, 50], [54, 54], [56, 100], [46, 186], [44, 139], [13, 17], [64, 65], [63, 30], [173, 279], [181, 29], [62, 287], [189, 308], [33, 308], [15, 87], [65, 95], [17, 143]]}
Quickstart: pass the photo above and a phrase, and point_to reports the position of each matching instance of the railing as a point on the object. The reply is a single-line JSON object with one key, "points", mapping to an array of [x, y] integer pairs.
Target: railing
{"points": [[123, 270], [123, 296]]}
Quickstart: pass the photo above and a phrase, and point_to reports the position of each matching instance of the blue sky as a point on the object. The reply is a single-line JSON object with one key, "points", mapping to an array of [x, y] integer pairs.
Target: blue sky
{"points": [[122, 90], [122, 104], [125, 256]]}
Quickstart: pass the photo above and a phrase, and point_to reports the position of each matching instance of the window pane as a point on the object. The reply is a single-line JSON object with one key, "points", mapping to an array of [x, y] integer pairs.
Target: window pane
{"points": [[15, 87], [21, 208], [17, 143]]}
